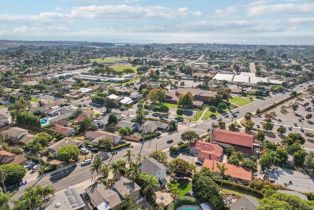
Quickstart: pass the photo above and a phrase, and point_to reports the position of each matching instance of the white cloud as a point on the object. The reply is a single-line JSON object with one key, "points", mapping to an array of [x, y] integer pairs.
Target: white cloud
{"points": [[260, 8], [227, 11]]}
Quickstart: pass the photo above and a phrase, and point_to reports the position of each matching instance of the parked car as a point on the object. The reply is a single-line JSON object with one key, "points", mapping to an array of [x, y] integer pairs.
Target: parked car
{"points": [[84, 150], [170, 141], [35, 168], [86, 162]]}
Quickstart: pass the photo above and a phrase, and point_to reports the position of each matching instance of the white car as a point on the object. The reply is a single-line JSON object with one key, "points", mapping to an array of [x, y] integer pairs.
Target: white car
{"points": [[84, 150], [86, 162]]}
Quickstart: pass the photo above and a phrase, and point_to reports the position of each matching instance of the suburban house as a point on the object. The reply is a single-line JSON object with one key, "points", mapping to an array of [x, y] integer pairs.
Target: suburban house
{"points": [[153, 167], [129, 124], [205, 150], [245, 203], [8, 157], [240, 141], [95, 136], [4, 121], [65, 131], [17, 135], [232, 171], [199, 96], [68, 199], [52, 149], [152, 126], [102, 198]]}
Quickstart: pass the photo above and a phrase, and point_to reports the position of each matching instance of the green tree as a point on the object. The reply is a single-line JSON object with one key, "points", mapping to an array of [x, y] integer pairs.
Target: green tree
{"points": [[260, 136], [268, 126], [206, 190], [156, 95], [294, 137], [180, 166], [281, 155], [126, 131], [149, 185], [11, 173], [186, 101], [281, 129], [27, 119], [85, 125], [129, 203], [112, 120], [299, 158], [281, 201], [68, 153], [96, 164], [190, 136], [293, 148], [173, 126], [34, 197], [105, 145], [309, 163], [160, 156], [129, 155], [267, 160]]}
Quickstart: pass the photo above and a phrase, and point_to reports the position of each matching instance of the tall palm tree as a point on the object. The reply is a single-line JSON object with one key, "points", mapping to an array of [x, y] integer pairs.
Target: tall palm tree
{"points": [[222, 169], [103, 173], [150, 187], [116, 168], [134, 171], [129, 156], [130, 203], [96, 165]]}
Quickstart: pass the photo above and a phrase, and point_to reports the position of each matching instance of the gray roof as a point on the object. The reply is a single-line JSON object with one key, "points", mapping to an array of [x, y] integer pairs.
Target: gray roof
{"points": [[151, 166], [14, 132], [125, 186], [99, 194], [151, 126], [245, 203]]}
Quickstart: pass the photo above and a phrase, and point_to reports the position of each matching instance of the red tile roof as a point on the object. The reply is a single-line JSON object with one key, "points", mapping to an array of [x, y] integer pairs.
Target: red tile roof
{"points": [[234, 138], [80, 118], [232, 170], [208, 150], [63, 130]]}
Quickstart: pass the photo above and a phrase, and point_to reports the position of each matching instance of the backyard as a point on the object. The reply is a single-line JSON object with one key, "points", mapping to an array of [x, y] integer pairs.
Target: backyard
{"points": [[180, 187]]}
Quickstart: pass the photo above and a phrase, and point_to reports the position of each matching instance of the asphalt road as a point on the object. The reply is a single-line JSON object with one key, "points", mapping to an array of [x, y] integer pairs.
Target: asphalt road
{"points": [[80, 174]]}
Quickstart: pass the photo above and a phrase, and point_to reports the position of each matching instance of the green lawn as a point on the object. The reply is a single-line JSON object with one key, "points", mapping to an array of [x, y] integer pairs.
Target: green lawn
{"points": [[2, 106], [107, 60], [240, 101], [208, 114], [121, 67], [196, 116], [133, 80], [180, 187], [35, 100], [169, 105]]}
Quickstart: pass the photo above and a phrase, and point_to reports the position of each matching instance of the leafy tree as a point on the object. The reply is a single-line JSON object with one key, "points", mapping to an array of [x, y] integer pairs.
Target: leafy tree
{"points": [[212, 109], [101, 100], [11, 173], [294, 137], [281, 155], [129, 203], [267, 160], [160, 156], [156, 95], [249, 164], [268, 126], [105, 145], [190, 136], [68, 153], [4, 198], [40, 141], [27, 119], [186, 101], [173, 126], [235, 158], [222, 169], [112, 120], [34, 197], [181, 166], [270, 145], [118, 168], [309, 163], [281, 129], [222, 125], [222, 106], [206, 190], [260, 136], [86, 125], [281, 201], [126, 131], [299, 158], [293, 148]]}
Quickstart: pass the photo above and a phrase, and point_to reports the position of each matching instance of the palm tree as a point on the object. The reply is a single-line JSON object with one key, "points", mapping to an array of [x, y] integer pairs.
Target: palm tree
{"points": [[130, 203], [118, 167], [150, 187], [96, 165], [103, 173], [129, 156], [134, 171], [222, 169]]}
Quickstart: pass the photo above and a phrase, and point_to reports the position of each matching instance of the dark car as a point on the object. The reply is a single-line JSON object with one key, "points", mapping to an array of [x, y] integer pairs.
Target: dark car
{"points": [[170, 141]]}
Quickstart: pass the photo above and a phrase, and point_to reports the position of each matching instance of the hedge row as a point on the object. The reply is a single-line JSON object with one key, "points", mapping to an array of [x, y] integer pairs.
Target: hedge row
{"points": [[237, 187], [121, 146], [184, 200], [149, 136]]}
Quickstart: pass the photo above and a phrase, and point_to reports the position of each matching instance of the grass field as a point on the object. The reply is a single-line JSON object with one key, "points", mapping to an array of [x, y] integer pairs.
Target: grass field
{"points": [[208, 114], [2, 106], [108, 60], [131, 81], [182, 187], [121, 67], [169, 105], [240, 101]]}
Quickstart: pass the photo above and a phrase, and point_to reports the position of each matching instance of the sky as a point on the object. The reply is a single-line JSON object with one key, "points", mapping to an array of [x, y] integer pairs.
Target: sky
{"points": [[160, 21]]}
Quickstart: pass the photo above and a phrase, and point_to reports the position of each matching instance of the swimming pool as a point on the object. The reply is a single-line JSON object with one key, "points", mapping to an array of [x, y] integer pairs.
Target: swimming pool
{"points": [[188, 207], [44, 121]]}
